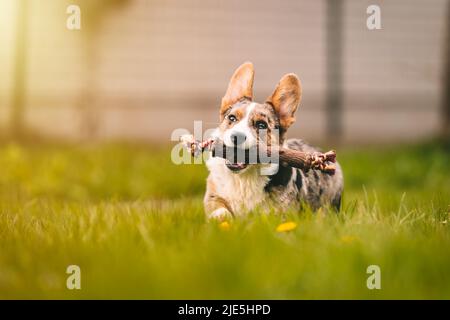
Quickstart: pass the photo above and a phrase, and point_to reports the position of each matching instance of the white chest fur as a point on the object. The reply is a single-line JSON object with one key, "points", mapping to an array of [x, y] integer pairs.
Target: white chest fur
{"points": [[243, 191]]}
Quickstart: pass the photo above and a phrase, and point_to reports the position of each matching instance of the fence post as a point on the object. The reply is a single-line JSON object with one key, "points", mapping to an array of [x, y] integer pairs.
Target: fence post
{"points": [[334, 39], [445, 132], [19, 76]]}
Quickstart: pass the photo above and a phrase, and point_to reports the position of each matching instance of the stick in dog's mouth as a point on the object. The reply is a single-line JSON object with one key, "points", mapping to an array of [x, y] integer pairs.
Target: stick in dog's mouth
{"points": [[238, 159]]}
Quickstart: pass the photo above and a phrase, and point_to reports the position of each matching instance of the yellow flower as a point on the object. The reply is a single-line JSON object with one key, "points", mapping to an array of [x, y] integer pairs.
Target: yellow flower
{"points": [[225, 226], [287, 226], [349, 239]]}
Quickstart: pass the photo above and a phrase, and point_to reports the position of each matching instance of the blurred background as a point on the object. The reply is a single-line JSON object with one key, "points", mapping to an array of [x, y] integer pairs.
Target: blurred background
{"points": [[138, 69], [77, 186]]}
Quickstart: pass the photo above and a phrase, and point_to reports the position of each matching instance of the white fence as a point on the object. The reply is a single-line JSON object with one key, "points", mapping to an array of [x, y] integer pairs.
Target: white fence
{"points": [[152, 66]]}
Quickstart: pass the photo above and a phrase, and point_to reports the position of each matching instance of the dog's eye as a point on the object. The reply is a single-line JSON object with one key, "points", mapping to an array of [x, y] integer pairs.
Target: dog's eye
{"points": [[261, 125], [232, 118]]}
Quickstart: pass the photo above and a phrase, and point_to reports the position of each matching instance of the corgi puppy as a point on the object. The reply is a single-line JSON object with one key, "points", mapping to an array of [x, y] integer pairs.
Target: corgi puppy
{"points": [[234, 189]]}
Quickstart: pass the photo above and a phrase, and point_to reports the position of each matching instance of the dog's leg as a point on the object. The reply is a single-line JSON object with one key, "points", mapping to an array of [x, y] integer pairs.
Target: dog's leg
{"points": [[220, 214], [216, 207]]}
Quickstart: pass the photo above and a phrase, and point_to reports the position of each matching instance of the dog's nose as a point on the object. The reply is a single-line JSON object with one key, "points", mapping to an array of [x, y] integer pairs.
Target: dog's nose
{"points": [[238, 138]]}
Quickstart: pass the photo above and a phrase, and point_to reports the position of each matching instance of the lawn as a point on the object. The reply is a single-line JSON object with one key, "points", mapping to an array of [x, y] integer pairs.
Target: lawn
{"points": [[134, 223]]}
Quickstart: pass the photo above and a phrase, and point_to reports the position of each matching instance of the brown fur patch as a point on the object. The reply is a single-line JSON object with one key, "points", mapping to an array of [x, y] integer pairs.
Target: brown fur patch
{"points": [[285, 99], [240, 87], [239, 113]]}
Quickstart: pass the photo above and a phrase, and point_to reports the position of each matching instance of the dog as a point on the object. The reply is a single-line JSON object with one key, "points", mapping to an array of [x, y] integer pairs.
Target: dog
{"points": [[234, 189]]}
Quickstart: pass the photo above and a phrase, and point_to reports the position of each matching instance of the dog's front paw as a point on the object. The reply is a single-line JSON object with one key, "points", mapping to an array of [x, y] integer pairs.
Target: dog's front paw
{"points": [[220, 214]]}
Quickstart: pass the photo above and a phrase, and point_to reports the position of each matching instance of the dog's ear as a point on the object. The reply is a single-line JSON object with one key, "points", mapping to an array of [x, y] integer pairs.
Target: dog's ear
{"points": [[286, 98], [240, 86]]}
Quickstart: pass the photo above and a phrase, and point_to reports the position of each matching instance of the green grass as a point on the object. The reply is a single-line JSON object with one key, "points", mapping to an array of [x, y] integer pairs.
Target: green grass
{"points": [[134, 223]]}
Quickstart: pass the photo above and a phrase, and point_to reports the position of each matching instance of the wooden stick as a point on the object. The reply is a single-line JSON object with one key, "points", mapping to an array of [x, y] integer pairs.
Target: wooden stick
{"points": [[263, 154]]}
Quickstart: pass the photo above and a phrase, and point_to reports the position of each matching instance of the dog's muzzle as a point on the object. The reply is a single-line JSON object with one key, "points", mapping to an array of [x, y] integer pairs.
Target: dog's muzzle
{"points": [[235, 167]]}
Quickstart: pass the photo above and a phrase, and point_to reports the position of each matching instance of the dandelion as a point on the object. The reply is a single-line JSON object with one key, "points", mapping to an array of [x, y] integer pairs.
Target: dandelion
{"points": [[225, 225], [287, 226], [349, 239]]}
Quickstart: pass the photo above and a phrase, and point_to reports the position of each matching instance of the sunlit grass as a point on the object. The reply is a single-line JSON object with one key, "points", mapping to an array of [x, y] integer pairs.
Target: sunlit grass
{"points": [[135, 225]]}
